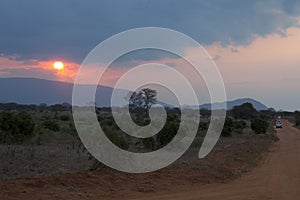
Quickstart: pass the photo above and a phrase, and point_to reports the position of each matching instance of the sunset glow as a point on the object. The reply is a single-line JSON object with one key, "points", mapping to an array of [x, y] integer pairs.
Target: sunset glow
{"points": [[58, 65], [254, 44]]}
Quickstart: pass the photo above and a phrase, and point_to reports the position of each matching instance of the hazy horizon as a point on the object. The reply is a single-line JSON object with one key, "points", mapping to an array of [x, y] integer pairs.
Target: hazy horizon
{"points": [[202, 103]]}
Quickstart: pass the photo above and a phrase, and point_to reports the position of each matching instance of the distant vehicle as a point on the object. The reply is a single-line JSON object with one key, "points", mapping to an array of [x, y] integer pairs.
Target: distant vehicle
{"points": [[279, 117], [278, 124]]}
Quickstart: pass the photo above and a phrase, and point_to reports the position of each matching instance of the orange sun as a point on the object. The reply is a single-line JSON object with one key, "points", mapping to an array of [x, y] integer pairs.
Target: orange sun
{"points": [[58, 65]]}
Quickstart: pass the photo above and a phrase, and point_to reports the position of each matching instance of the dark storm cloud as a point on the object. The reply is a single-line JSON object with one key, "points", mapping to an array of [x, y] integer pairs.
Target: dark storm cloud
{"points": [[69, 29]]}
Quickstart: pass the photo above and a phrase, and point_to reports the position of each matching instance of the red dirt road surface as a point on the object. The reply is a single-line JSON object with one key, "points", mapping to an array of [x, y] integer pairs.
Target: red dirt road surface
{"points": [[277, 178]]}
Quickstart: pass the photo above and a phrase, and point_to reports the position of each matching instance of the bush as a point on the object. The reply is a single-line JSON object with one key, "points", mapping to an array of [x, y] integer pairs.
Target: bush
{"points": [[106, 122], [169, 131], [117, 139], [64, 117], [7, 121], [297, 121], [203, 126], [149, 143], [239, 125], [51, 124], [297, 118], [16, 127], [25, 124], [259, 126], [228, 127]]}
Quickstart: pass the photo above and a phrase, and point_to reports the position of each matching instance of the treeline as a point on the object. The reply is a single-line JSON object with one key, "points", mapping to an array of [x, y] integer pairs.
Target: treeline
{"points": [[21, 122], [35, 108]]}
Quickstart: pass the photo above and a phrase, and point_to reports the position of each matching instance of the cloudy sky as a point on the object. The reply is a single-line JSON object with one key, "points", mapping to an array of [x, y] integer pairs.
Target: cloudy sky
{"points": [[255, 44]]}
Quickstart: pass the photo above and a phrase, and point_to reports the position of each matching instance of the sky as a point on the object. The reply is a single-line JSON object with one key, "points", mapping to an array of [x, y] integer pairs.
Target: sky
{"points": [[255, 44]]}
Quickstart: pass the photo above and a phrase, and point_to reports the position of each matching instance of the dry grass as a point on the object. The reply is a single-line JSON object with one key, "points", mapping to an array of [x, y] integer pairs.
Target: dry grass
{"points": [[31, 160]]}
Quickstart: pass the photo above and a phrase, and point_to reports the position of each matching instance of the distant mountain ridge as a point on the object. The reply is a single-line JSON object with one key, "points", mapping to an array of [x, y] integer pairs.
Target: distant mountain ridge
{"points": [[230, 104], [37, 91]]}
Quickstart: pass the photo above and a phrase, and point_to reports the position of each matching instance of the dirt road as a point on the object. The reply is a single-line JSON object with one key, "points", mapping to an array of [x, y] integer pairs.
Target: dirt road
{"points": [[277, 178]]}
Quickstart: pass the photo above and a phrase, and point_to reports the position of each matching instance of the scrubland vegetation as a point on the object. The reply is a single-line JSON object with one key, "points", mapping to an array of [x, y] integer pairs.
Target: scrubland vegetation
{"points": [[31, 129], [43, 124]]}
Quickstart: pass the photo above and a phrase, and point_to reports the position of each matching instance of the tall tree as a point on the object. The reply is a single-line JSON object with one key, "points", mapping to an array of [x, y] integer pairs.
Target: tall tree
{"points": [[143, 98]]}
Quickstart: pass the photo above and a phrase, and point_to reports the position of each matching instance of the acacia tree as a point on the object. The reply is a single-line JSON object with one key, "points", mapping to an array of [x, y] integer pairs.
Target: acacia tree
{"points": [[143, 98]]}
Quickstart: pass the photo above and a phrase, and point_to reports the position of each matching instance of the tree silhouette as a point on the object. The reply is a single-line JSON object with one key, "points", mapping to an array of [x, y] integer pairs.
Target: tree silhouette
{"points": [[143, 98]]}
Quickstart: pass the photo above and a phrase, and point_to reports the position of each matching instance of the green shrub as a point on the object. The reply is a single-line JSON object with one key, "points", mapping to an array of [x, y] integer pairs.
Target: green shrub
{"points": [[7, 121], [228, 127], [167, 133], [259, 126], [169, 130], [107, 122], [149, 143], [203, 126], [118, 140], [51, 124], [297, 121], [297, 118], [25, 124], [16, 127], [239, 125], [64, 117]]}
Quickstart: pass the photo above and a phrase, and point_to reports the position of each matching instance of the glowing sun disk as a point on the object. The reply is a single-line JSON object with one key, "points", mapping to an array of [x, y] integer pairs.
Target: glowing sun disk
{"points": [[58, 65]]}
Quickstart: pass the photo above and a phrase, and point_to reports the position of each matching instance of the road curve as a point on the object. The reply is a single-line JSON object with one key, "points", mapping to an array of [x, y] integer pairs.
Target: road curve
{"points": [[277, 178]]}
